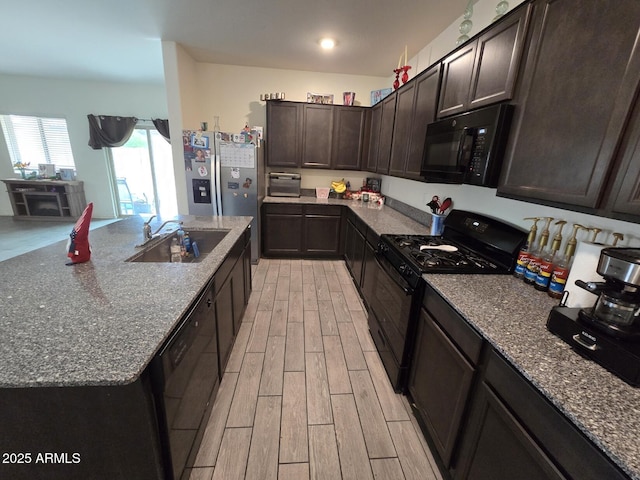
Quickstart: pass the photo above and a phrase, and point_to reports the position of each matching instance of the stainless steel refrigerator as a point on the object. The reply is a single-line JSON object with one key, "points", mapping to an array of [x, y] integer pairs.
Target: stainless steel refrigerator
{"points": [[225, 176]]}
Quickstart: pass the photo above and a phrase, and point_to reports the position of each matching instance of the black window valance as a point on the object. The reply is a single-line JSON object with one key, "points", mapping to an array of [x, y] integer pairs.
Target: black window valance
{"points": [[112, 131], [162, 126]]}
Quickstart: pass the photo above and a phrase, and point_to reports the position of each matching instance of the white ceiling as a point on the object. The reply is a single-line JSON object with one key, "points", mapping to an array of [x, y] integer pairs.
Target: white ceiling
{"points": [[120, 40]]}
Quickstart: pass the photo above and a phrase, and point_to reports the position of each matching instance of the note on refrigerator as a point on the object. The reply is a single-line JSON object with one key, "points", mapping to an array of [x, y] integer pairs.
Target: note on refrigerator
{"points": [[237, 155]]}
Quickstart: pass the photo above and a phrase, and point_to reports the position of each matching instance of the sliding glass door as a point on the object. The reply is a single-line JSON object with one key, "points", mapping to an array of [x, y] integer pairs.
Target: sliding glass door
{"points": [[144, 180]]}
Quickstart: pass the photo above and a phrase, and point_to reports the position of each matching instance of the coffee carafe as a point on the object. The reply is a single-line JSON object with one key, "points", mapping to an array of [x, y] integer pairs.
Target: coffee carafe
{"points": [[617, 309]]}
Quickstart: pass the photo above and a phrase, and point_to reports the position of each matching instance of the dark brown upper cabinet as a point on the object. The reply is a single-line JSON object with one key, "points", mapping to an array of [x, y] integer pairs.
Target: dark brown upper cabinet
{"points": [[578, 87], [283, 134], [456, 80], [402, 129], [484, 71], [317, 134], [374, 137], [624, 194], [349, 137], [386, 133], [415, 109]]}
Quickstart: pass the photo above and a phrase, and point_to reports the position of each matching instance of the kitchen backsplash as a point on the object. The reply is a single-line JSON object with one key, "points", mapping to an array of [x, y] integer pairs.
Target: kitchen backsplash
{"points": [[411, 198]]}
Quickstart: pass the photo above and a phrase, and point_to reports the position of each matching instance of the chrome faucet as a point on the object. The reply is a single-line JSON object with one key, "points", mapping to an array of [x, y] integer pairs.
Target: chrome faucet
{"points": [[146, 228]]}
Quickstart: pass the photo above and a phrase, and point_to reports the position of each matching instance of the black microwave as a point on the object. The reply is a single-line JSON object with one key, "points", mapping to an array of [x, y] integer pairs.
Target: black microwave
{"points": [[467, 148]]}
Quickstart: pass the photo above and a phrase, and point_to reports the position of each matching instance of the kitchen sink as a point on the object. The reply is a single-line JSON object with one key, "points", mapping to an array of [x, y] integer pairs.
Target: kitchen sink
{"points": [[159, 250]]}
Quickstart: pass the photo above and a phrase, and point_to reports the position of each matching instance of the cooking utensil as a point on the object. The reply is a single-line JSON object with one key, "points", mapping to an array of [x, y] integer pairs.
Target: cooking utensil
{"points": [[444, 248], [434, 204], [445, 205]]}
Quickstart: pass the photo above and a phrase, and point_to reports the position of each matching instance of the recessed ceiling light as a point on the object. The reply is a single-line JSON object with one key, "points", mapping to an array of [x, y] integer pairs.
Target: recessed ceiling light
{"points": [[327, 43]]}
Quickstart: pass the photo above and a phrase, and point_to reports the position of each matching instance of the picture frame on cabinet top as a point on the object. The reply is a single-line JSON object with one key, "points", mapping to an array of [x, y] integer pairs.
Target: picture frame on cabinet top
{"points": [[322, 98]]}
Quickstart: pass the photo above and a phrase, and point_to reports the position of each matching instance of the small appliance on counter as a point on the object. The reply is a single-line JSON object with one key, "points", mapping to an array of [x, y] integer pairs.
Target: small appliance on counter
{"points": [[372, 184], [283, 184], [609, 331]]}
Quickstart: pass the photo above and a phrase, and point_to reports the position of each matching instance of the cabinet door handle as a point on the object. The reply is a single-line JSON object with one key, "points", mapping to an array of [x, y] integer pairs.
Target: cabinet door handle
{"points": [[578, 339]]}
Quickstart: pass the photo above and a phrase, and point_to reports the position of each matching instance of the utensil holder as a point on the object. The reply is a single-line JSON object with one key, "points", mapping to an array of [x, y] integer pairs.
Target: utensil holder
{"points": [[437, 224]]}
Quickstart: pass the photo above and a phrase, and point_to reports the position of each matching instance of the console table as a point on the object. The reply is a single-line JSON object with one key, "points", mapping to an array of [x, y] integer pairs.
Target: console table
{"points": [[46, 199]]}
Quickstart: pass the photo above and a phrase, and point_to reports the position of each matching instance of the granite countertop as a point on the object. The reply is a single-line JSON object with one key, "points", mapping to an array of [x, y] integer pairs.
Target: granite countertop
{"points": [[512, 316], [380, 218], [100, 322]]}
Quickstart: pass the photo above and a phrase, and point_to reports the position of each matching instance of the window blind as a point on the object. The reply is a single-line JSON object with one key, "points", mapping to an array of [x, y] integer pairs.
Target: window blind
{"points": [[36, 140]]}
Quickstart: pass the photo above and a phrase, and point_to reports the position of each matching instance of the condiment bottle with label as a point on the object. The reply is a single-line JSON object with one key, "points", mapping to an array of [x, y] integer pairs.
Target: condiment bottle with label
{"points": [[547, 260], [525, 251], [563, 265], [531, 272], [616, 237]]}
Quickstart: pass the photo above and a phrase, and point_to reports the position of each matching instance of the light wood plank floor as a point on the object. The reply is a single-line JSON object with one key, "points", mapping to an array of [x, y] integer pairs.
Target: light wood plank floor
{"points": [[305, 395]]}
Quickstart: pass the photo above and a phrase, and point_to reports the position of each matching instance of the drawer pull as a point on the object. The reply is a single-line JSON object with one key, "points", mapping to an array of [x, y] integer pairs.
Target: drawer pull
{"points": [[590, 346]]}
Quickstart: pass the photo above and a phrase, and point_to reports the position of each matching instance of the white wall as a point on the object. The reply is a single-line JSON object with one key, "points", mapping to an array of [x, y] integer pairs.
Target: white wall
{"points": [[483, 15], [74, 100], [233, 92], [181, 91], [484, 200], [199, 92]]}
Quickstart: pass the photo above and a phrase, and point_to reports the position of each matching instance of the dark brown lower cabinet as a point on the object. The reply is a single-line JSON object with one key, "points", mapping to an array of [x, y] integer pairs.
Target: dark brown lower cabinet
{"points": [[224, 317], [106, 431], [360, 243], [514, 432], [282, 229], [439, 384], [238, 292], [483, 419], [501, 447], [367, 284], [322, 230], [354, 246], [231, 295], [313, 231]]}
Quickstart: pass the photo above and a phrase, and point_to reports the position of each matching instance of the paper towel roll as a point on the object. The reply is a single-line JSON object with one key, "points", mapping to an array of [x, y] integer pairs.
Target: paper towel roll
{"points": [[584, 267]]}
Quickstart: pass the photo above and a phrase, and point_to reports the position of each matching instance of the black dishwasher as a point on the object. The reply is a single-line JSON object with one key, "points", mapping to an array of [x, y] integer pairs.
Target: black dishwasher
{"points": [[186, 377]]}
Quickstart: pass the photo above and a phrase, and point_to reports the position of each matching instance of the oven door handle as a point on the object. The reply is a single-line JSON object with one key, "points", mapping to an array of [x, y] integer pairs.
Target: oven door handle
{"points": [[383, 265]]}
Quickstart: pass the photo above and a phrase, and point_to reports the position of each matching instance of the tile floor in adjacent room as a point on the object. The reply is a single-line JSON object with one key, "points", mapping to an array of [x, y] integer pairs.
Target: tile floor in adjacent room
{"points": [[22, 236], [305, 395]]}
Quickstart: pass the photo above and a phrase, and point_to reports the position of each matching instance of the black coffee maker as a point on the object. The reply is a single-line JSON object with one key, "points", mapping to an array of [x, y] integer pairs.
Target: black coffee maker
{"points": [[609, 332], [617, 309]]}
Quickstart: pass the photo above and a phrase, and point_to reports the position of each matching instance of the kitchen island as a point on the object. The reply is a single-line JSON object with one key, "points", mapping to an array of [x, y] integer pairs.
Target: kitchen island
{"points": [[76, 341], [100, 322]]}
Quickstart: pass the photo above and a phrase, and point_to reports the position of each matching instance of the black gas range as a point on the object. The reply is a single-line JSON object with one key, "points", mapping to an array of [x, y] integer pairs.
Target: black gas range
{"points": [[471, 244]]}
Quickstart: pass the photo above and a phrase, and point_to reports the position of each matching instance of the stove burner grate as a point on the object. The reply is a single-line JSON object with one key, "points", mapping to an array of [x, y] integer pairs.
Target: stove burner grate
{"points": [[433, 260]]}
